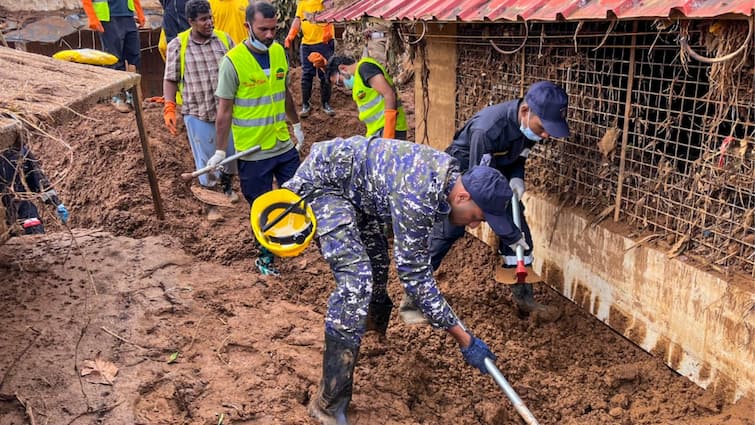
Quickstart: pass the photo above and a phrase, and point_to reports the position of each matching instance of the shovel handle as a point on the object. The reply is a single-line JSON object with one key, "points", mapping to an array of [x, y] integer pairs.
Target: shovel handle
{"points": [[516, 212], [237, 155], [519, 405]]}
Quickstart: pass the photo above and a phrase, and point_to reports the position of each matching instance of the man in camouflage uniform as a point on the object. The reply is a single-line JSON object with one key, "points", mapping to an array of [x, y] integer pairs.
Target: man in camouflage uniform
{"points": [[354, 185]]}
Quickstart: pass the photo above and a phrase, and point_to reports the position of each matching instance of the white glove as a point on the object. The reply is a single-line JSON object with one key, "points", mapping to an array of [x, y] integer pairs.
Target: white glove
{"points": [[299, 134], [517, 186], [215, 159], [521, 242]]}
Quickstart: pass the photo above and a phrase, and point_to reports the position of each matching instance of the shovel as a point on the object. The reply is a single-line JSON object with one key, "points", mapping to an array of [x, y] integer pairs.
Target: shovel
{"points": [[199, 172], [522, 273]]}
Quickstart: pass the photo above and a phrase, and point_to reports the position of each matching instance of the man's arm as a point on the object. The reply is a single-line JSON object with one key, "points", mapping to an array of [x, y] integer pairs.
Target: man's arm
{"points": [[478, 146], [223, 123], [291, 113], [172, 74], [379, 83], [228, 84]]}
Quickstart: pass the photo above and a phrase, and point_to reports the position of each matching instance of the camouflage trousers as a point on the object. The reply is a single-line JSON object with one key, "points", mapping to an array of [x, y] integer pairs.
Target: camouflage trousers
{"points": [[356, 249]]}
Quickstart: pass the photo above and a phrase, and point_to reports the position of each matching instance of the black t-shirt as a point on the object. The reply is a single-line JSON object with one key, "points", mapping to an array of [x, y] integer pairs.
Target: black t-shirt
{"points": [[368, 70]]}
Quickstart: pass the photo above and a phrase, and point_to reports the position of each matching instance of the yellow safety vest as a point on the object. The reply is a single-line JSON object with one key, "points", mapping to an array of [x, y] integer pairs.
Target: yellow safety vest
{"points": [[102, 9], [259, 109], [371, 103], [184, 37]]}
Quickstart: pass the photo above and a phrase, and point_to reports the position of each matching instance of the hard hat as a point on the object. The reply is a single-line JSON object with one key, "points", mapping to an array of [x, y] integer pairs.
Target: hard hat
{"points": [[290, 220]]}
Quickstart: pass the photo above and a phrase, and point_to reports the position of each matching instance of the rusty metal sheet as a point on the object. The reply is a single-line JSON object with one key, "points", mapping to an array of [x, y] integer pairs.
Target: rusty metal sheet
{"points": [[46, 30], [538, 10]]}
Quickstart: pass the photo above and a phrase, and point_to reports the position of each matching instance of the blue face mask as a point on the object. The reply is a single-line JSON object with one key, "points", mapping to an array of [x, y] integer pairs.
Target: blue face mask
{"points": [[348, 82], [262, 47], [527, 131]]}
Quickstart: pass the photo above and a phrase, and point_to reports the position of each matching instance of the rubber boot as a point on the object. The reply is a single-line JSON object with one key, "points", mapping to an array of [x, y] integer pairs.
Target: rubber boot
{"points": [[410, 313], [334, 395], [306, 94], [527, 306], [379, 315], [226, 183], [325, 96]]}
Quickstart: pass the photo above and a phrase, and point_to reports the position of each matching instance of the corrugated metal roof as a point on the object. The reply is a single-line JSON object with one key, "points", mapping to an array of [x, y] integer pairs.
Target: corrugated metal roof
{"points": [[537, 10]]}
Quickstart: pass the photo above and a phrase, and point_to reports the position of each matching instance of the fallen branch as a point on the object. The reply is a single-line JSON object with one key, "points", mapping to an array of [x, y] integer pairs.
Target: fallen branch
{"points": [[108, 331], [27, 408], [94, 412]]}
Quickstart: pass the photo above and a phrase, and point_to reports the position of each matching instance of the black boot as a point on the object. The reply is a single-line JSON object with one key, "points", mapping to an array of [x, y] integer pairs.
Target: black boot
{"points": [[306, 94], [226, 183], [334, 395], [378, 316], [527, 306], [325, 96]]}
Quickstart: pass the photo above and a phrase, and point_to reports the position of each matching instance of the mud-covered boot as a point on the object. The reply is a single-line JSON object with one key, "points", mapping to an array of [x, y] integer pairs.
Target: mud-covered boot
{"points": [[527, 306], [410, 313], [334, 395], [306, 93], [379, 315], [226, 183]]}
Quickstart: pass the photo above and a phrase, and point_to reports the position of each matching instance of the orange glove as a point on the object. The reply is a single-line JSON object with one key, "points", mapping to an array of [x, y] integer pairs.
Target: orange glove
{"points": [[169, 115], [327, 33], [317, 60], [389, 129], [292, 33], [94, 22], [140, 19], [155, 99]]}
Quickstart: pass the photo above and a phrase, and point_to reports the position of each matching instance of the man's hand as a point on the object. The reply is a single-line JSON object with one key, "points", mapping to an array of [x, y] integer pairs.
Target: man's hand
{"points": [[476, 353], [521, 242], [318, 60], [517, 186], [292, 33], [62, 213], [299, 135], [169, 115], [215, 159]]}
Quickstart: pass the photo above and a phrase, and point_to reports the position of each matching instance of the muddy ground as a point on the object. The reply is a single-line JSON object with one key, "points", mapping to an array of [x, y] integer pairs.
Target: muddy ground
{"points": [[173, 325]]}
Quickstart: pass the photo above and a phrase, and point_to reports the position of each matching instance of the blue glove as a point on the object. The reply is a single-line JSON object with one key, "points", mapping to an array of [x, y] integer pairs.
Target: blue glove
{"points": [[476, 353], [62, 213]]}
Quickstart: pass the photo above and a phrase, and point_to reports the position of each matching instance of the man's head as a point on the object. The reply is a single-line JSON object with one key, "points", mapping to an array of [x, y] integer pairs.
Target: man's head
{"points": [[543, 111], [336, 69], [261, 22], [199, 15], [480, 194]]}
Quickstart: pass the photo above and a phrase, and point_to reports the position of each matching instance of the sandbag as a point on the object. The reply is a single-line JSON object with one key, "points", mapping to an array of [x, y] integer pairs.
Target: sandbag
{"points": [[88, 56]]}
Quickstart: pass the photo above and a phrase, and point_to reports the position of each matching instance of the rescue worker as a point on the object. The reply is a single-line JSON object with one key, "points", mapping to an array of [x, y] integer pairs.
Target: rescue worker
{"points": [[191, 73], [229, 17], [353, 187], [20, 177], [253, 101], [374, 93], [114, 20], [501, 136], [174, 18], [317, 38]]}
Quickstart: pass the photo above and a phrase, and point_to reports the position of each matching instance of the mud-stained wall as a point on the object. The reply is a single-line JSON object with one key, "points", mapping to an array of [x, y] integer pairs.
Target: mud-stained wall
{"points": [[702, 326], [439, 55]]}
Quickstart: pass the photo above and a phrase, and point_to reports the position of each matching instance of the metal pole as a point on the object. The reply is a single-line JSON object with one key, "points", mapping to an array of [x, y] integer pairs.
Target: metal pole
{"points": [[136, 92], [523, 411]]}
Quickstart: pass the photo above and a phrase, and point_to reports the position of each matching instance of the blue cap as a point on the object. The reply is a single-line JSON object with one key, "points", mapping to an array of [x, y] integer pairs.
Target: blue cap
{"points": [[491, 192], [549, 102]]}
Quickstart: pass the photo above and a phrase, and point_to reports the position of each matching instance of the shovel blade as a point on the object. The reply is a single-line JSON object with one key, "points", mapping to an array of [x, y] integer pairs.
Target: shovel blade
{"points": [[507, 275]]}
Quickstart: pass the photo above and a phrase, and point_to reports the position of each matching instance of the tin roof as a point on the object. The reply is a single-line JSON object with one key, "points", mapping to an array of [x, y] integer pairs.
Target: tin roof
{"points": [[537, 10]]}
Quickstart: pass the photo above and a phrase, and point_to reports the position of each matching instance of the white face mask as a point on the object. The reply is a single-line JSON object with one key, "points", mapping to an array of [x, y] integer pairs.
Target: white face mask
{"points": [[262, 47]]}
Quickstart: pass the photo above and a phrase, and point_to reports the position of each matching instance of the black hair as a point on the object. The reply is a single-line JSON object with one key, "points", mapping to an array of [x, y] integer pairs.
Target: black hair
{"points": [[334, 62], [194, 8], [264, 8]]}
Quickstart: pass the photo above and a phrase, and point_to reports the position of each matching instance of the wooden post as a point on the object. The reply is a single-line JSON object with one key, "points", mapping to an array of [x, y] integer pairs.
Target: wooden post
{"points": [[625, 130], [136, 92]]}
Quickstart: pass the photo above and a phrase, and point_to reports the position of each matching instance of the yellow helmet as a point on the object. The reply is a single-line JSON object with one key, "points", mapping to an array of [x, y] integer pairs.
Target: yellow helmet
{"points": [[283, 222]]}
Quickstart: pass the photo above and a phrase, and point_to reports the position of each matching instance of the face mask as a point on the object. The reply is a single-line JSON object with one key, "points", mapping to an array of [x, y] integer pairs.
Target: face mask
{"points": [[528, 133], [348, 82], [262, 47]]}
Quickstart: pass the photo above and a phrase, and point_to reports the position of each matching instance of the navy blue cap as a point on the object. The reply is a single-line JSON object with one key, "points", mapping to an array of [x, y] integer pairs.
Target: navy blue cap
{"points": [[491, 192], [549, 102]]}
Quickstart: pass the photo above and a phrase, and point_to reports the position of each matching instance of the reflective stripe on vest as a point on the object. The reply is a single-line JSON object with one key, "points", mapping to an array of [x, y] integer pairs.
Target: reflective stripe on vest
{"points": [[259, 109], [102, 9], [371, 103], [184, 37]]}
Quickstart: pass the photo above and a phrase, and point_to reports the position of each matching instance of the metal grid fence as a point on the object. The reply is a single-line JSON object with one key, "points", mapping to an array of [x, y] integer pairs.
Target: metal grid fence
{"points": [[675, 159]]}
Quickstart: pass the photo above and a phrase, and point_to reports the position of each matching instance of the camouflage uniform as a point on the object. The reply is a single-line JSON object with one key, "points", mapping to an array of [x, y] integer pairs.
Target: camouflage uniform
{"points": [[361, 183]]}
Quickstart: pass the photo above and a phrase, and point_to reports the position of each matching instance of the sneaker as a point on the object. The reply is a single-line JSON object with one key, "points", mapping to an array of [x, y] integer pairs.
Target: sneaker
{"points": [[328, 109], [120, 105], [266, 267], [305, 109]]}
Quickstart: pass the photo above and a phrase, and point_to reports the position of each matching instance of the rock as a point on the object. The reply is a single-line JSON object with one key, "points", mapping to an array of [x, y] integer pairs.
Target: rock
{"points": [[616, 412], [619, 400]]}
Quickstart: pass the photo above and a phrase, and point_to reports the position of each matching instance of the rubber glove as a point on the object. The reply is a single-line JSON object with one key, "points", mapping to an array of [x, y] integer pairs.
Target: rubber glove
{"points": [[299, 135], [139, 15], [62, 213], [476, 353], [327, 33], [318, 60], [155, 99], [389, 129], [521, 242], [292, 33], [215, 159], [169, 115], [94, 23], [517, 186]]}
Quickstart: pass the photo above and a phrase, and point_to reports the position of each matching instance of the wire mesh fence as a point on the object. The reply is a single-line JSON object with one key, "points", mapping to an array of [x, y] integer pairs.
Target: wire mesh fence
{"points": [[660, 142]]}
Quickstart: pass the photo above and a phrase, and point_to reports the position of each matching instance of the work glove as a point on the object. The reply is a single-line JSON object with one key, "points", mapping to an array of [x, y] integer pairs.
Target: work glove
{"points": [[216, 158], [62, 213], [476, 353], [521, 242], [155, 99], [389, 129], [517, 186], [169, 115], [327, 33], [292, 33], [139, 14], [94, 23], [318, 60], [299, 135]]}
